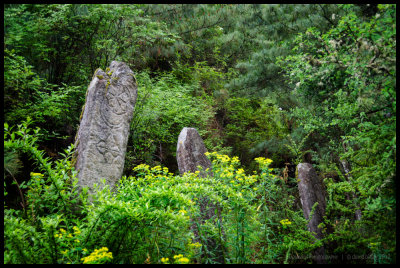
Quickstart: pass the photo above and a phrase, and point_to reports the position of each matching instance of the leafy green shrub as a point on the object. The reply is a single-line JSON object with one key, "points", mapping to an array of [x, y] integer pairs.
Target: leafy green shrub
{"points": [[50, 197], [249, 122], [50, 107], [163, 108]]}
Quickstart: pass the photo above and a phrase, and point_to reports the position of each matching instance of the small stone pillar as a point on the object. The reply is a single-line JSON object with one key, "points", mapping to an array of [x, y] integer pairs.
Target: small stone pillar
{"points": [[311, 191], [190, 152], [100, 143]]}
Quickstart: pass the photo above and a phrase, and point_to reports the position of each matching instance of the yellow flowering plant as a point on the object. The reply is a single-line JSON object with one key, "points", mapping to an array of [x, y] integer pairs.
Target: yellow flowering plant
{"points": [[285, 223], [165, 260], [69, 245], [98, 256], [180, 259]]}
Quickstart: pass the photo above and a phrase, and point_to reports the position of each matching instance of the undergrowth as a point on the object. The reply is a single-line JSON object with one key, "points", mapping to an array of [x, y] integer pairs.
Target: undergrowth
{"points": [[149, 217]]}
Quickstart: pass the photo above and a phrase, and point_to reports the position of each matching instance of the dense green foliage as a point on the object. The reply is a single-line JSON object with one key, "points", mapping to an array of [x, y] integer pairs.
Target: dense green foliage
{"points": [[148, 218], [163, 108], [281, 84], [346, 78]]}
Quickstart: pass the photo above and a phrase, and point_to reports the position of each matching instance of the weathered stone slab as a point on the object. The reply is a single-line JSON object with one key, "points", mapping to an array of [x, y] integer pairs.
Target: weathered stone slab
{"points": [[101, 141], [190, 154], [311, 191]]}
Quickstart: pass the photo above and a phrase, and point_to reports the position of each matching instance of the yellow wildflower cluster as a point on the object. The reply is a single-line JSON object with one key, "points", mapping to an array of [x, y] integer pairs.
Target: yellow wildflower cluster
{"points": [[240, 171], [181, 259], [244, 180], [63, 233], [37, 176], [227, 168], [69, 243], [195, 245], [60, 234], [263, 165], [98, 256], [227, 172], [158, 170], [76, 230], [285, 222], [235, 160], [141, 166], [33, 174], [262, 161], [164, 260], [224, 159], [147, 176]]}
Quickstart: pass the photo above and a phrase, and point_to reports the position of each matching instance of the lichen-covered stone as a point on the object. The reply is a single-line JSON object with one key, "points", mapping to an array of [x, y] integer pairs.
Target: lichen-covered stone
{"points": [[101, 140]]}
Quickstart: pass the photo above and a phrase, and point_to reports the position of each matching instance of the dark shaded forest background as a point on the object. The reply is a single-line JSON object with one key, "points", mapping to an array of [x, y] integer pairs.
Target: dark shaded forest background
{"points": [[292, 83]]}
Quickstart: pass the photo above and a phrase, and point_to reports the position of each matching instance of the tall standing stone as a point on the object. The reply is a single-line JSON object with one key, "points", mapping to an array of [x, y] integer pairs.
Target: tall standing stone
{"points": [[101, 141], [190, 154], [311, 191]]}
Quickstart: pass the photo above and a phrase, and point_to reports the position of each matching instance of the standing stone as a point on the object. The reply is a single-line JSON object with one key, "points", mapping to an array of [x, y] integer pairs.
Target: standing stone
{"points": [[101, 140], [190, 154], [311, 191]]}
